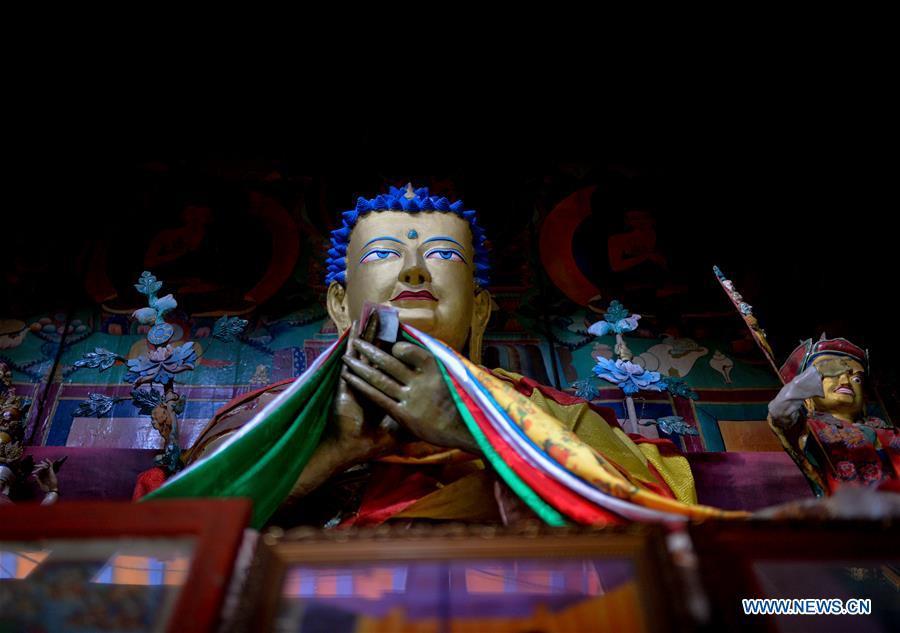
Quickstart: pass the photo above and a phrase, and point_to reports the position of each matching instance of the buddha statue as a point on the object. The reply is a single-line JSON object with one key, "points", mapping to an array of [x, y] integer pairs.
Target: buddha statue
{"points": [[820, 418], [419, 424]]}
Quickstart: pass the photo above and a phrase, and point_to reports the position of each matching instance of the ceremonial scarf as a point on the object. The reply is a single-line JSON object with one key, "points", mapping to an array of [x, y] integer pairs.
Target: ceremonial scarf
{"points": [[556, 474]]}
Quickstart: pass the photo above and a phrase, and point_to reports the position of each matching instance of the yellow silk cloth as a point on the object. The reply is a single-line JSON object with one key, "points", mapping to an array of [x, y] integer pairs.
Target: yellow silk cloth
{"points": [[593, 430], [469, 498], [581, 441], [581, 459]]}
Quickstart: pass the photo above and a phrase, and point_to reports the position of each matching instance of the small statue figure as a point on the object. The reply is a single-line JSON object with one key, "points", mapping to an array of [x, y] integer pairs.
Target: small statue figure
{"points": [[14, 464], [820, 417]]}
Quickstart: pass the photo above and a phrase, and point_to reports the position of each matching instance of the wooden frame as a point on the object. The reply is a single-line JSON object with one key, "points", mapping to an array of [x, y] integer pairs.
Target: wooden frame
{"points": [[217, 524], [643, 545]]}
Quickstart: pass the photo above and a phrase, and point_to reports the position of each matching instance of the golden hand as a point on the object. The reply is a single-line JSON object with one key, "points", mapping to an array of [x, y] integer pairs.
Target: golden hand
{"points": [[354, 435], [408, 385]]}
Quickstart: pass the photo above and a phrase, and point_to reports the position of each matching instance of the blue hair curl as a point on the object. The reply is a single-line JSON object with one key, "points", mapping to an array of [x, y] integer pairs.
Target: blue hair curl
{"points": [[411, 202]]}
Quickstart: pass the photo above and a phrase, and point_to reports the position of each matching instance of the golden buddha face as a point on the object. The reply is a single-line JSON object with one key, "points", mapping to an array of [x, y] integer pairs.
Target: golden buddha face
{"points": [[423, 264], [843, 380]]}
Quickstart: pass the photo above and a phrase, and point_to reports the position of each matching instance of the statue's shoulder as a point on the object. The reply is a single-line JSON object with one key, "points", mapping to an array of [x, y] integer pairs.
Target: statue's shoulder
{"points": [[232, 416]]}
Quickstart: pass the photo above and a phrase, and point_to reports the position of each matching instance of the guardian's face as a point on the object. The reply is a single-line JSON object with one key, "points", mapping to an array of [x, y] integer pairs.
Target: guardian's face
{"points": [[843, 380], [423, 264]]}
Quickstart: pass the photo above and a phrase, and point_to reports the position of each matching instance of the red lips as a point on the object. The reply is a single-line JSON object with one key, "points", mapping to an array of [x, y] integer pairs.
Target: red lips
{"points": [[418, 295]]}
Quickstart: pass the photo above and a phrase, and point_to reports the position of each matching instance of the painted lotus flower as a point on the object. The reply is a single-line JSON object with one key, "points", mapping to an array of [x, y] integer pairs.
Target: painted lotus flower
{"points": [[161, 364], [628, 376]]}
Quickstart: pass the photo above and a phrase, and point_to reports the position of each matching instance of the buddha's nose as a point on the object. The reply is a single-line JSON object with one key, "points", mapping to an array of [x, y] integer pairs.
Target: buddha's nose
{"points": [[414, 276], [415, 273]]}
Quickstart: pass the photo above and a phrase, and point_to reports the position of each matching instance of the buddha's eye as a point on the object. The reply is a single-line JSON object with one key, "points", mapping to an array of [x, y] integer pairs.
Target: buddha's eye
{"points": [[446, 254], [857, 379], [378, 254]]}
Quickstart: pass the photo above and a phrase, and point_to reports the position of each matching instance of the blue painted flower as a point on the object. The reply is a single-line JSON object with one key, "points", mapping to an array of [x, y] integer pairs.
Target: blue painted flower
{"points": [[586, 389], [145, 316], [164, 304], [96, 406], [676, 425], [677, 387], [616, 320], [148, 284], [161, 364], [628, 376], [600, 328]]}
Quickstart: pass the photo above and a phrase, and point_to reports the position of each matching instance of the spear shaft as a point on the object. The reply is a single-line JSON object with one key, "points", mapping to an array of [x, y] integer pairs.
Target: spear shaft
{"points": [[746, 312]]}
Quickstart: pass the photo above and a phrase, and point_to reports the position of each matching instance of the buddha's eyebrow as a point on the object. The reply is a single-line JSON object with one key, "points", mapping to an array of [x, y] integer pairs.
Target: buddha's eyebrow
{"points": [[443, 238], [383, 237]]}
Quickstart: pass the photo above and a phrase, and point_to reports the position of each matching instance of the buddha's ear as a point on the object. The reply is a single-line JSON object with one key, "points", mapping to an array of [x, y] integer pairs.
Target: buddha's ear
{"points": [[336, 302], [481, 314]]}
